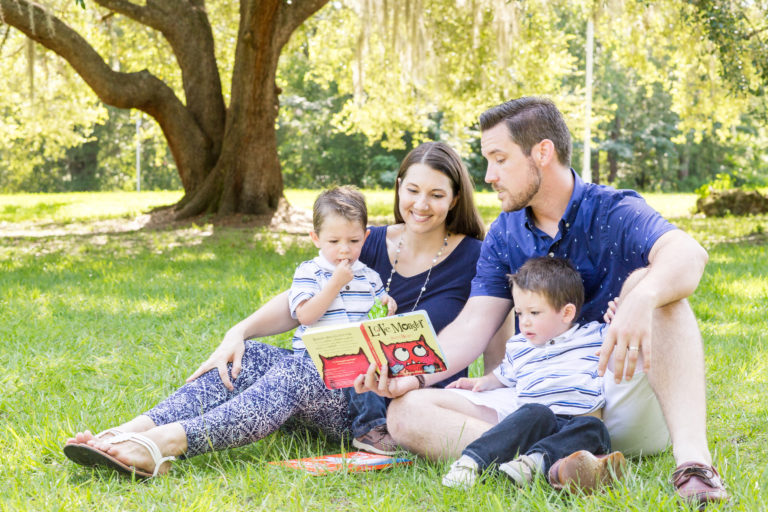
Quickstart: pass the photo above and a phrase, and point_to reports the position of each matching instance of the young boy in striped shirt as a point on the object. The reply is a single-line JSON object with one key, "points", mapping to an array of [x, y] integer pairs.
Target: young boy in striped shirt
{"points": [[335, 287], [552, 364]]}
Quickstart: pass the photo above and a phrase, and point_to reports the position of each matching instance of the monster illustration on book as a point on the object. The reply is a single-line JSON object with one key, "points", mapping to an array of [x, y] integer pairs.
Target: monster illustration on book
{"points": [[412, 358], [337, 369]]}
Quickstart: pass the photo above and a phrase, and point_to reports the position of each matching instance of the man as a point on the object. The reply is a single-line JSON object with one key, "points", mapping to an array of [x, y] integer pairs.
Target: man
{"points": [[652, 355]]}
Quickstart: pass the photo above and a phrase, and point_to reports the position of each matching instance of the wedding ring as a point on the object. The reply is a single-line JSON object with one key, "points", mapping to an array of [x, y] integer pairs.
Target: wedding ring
{"points": [[635, 349]]}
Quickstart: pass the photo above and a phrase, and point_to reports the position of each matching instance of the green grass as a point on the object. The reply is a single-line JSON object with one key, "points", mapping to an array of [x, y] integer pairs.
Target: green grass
{"points": [[98, 326]]}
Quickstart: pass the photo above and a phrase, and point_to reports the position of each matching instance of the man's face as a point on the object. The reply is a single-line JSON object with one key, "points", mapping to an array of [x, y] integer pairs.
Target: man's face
{"points": [[512, 174]]}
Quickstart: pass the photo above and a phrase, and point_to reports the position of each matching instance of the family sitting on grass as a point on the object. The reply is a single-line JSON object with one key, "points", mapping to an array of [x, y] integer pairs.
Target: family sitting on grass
{"points": [[539, 411]]}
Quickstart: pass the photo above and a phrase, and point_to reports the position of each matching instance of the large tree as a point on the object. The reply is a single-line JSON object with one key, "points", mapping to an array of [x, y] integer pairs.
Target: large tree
{"points": [[226, 155]]}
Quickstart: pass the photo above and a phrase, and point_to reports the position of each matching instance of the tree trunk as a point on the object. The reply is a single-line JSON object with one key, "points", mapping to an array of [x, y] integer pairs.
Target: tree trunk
{"points": [[227, 158], [613, 157], [595, 163], [247, 177]]}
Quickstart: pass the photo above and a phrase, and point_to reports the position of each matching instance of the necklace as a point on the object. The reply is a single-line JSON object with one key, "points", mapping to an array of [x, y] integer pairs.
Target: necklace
{"points": [[429, 272]]}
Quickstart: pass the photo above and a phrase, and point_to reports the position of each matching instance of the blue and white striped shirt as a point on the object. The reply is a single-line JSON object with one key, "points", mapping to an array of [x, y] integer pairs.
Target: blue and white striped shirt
{"points": [[561, 374], [350, 305]]}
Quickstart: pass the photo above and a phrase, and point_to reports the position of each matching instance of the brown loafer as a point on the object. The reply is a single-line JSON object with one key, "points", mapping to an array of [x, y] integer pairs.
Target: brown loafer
{"points": [[699, 484], [586, 472], [377, 441]]}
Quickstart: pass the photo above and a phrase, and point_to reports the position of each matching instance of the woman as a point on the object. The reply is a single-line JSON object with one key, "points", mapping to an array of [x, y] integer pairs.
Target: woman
{"points": [[426, 260]]}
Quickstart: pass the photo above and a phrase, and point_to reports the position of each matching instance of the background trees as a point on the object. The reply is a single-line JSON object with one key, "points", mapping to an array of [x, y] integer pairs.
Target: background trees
{"points": [[679, 93]]}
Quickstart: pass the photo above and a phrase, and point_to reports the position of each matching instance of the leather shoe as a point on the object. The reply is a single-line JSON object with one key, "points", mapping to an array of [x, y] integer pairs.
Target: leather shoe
{"points": [[699, 484], [586, 472]]}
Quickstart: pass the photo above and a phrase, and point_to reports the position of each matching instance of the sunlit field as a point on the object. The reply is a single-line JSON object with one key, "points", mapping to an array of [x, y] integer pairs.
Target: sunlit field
{"points": [[100, 323]]}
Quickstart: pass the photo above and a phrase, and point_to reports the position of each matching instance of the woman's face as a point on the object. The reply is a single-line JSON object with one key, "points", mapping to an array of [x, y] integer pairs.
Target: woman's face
{"points": [[426, 197]]}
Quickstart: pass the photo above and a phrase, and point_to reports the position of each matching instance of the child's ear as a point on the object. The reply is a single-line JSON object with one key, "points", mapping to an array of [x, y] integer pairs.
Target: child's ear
{"points": [[315, 239], [569, 313]]}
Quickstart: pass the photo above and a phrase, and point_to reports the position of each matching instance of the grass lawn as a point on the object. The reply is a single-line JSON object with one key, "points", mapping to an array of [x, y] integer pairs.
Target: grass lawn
{"points": [[100, 322]]}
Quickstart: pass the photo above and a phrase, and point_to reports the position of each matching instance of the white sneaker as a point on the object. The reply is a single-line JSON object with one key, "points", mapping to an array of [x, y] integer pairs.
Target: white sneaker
{"points": [[521, 470], [463, 473]]}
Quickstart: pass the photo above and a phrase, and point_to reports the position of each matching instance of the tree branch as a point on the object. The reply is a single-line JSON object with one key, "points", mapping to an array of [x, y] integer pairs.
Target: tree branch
{"points": [[185, 26], [140, 90], [294, 14]]}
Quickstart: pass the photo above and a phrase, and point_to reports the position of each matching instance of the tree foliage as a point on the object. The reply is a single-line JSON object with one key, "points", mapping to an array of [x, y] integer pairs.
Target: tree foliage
{"points": [[678, 95]]}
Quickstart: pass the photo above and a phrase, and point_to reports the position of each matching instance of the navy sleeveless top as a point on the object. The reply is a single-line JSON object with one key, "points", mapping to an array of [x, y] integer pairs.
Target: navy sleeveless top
{"points": [[448, 288]]}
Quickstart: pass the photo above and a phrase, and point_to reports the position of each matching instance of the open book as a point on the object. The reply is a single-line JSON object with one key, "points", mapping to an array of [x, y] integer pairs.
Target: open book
{"points": [[352, 462], [406, 343]]}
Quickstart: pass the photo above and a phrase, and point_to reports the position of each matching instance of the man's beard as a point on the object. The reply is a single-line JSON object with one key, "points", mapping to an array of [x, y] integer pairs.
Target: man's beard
{"points": [[523, 198]]}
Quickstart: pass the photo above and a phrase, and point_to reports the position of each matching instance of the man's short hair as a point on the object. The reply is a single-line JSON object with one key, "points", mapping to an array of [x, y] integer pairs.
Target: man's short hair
{"points": [[530, 120], [346, 201], [554, 278]]}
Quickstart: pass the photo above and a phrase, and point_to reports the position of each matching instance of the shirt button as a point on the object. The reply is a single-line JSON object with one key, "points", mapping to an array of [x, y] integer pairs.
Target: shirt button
{"points": [[346, 287], [551, 255], [551, 342], [567, 224]]}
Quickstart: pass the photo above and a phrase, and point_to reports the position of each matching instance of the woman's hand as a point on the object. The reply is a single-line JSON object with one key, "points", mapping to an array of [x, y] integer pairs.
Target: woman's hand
{"points": [[230, 350], [390, 303]]}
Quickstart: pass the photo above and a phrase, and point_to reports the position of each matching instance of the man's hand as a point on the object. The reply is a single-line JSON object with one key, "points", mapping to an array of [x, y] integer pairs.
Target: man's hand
{"points": [[628, 335], [230, 350], [382, 385]]}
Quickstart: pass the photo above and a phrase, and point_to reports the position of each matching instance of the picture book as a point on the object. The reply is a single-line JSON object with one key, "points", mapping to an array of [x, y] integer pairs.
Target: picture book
{"points": [[352, 461], [406, 343]]}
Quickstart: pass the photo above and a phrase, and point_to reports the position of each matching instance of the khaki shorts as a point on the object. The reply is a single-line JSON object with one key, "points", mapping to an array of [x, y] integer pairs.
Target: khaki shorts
{"points": [[633, 416]]}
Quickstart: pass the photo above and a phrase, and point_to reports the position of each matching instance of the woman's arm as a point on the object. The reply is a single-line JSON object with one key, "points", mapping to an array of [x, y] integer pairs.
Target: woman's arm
{"points": [[273, 317]]}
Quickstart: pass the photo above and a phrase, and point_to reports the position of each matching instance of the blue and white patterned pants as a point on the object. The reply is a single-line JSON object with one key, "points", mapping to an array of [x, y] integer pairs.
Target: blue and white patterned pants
{"points": [[275, 385]]}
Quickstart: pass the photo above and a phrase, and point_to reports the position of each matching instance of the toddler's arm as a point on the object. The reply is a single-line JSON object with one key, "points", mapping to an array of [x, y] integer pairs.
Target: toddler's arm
{"points": [[484, 383], [310, 311]]}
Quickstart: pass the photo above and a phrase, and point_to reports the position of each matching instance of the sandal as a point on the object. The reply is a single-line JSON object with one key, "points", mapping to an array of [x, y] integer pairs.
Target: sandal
{"points": [[87, 455]]}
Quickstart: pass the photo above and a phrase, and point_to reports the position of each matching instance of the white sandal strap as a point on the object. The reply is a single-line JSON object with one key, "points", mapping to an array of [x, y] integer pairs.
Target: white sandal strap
{"points": [[147, 443], [114, 431]]}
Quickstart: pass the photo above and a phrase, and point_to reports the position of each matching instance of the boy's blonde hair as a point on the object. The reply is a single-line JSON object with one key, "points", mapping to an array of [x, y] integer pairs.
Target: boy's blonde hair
{"points": [[346, 201]]}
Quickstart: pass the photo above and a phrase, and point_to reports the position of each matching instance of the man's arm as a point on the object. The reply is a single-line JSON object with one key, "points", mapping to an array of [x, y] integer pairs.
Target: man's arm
{"points": [[676, 264], [462, 341], [496, 348]]}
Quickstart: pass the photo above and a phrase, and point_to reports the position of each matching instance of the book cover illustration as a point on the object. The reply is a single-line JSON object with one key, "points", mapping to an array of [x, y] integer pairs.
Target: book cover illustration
{"points": [[352, 462], [406, 343]]}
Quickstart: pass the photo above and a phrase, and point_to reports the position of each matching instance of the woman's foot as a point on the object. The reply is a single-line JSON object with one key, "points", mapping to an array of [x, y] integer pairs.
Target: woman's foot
{"points": [[171, 440], [138, 424]]}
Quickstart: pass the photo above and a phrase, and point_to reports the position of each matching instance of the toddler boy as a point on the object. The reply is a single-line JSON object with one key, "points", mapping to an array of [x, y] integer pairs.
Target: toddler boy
{"points": [[552, 364]]}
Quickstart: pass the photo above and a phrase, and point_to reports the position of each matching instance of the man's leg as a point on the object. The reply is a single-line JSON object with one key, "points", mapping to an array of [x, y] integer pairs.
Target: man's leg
{"points": [[437, 423], [677, 376]]}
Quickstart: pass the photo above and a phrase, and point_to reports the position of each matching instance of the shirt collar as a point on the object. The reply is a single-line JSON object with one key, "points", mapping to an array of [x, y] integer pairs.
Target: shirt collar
{"points": [[324, 264], [569, 217], [562, 337]]}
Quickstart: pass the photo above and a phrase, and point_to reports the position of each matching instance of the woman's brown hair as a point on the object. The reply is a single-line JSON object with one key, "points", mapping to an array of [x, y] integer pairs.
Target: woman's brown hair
{"points": [[463, 218]]}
